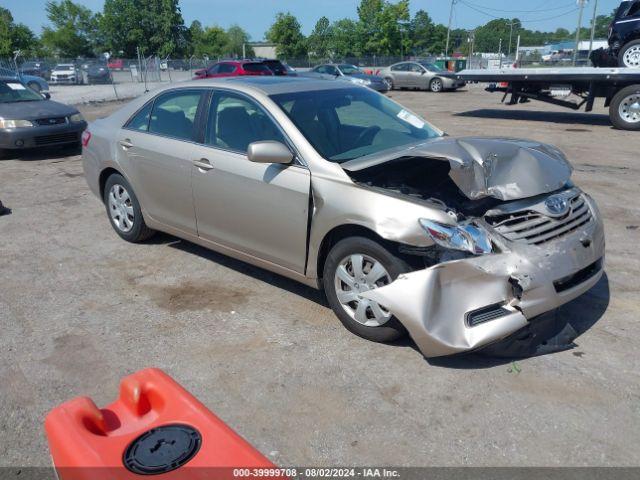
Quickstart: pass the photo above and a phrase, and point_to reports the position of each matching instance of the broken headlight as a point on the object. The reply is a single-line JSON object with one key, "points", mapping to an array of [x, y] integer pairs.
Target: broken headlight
{"points": [[467, 238]]}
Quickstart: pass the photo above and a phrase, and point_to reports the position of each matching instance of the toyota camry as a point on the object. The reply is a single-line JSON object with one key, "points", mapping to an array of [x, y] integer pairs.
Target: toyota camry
{"points": [[456, 242]]}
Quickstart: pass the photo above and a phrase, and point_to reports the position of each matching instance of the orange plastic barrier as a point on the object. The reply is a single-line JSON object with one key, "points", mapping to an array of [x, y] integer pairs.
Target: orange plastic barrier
{"points": [[155, 427]]}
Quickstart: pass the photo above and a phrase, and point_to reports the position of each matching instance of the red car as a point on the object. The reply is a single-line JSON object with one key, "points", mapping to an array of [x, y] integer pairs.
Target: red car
{"points": [[116, 64], [233, 68]]}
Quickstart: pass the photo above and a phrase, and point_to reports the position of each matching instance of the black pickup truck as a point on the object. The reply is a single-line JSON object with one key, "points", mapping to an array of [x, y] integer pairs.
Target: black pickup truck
{"points": [[624, 34]]}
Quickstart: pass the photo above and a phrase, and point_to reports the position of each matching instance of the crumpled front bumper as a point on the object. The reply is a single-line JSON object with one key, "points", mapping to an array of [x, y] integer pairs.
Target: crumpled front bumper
{"points": [[438, 305]]}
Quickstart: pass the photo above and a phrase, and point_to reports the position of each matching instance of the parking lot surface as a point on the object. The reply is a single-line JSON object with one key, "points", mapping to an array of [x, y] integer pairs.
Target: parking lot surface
{"points": [[80, 309]]}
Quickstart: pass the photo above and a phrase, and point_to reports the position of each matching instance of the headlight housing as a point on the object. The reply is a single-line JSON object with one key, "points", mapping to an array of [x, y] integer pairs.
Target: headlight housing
{"points": [[76, 118], [4, 123], [362, 81], [466, 238]]}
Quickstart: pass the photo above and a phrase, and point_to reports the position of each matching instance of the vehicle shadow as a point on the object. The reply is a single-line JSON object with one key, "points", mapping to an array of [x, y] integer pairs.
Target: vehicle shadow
{"points": [[39, 154], [571, 321], [239, 266], [539, 116]]}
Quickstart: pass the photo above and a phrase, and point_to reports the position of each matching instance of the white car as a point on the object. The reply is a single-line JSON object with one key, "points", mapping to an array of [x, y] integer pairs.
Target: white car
{"points": [[66, 73]]}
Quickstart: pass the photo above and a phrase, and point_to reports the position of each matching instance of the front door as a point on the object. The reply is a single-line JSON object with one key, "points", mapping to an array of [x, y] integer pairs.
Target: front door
{"points": [[258, 209]]}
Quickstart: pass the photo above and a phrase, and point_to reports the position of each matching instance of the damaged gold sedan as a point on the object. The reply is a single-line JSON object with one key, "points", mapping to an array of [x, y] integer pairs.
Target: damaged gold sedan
{"points": [[459, 243]]}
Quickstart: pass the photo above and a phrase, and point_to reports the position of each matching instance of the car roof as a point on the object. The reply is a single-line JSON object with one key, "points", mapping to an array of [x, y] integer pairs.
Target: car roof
{"points": [[269, 85]]}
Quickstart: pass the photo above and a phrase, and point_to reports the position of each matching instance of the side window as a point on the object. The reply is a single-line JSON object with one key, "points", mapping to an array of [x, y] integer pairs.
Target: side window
{"points": [[213, 69], [415, 68], [399, 68], [332, 70], [634, 11], [140, 121], [321, 69], [174, 114], [235, 122], [226, 68]]}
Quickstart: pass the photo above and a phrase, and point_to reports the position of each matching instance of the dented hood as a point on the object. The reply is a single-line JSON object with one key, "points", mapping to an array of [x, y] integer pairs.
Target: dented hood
{"points": [[503, 168]]}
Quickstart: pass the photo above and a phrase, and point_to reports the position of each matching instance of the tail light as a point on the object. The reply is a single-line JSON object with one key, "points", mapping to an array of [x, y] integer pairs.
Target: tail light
{"points": [[86, 138]]}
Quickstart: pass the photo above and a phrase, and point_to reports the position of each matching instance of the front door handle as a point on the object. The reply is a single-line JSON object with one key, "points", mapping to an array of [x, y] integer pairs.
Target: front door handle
{"points": [[126, 143], [203, 164]]}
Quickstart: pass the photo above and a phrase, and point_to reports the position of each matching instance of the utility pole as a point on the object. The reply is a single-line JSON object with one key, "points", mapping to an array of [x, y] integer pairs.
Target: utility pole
{"points": [[446, 50], [593, 26], [500, 53], [510, 37], [581, 3]]}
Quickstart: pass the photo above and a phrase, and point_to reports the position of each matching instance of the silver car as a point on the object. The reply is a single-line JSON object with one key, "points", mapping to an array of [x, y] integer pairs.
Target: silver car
{"points": [[457, 242], [348, 73], [420, 75]]}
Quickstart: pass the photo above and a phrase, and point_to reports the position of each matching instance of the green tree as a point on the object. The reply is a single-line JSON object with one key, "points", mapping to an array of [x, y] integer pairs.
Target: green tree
{"points": [[73, 29], [15, 36], [344, 38], [285, 33], [156, 26], [320, 41], [236, 38], [427, 37], [210, 43], [368, 29]]}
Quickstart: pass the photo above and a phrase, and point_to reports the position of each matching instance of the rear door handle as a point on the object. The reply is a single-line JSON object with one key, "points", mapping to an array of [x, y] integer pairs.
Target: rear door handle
{"points": [[126, 144], [203, 164]]}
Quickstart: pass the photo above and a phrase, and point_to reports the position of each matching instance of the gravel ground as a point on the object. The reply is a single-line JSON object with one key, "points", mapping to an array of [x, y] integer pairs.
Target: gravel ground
{"points": [[80, 309]]}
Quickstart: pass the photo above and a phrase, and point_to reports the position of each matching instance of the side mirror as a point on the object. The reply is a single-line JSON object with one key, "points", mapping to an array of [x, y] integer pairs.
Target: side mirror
{"points": [[269, 152], [423, 72], [46, 95]]}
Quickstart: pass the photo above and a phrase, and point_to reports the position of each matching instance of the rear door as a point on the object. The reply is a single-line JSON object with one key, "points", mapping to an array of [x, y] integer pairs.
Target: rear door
{"points": [[258, 209], [400, 74], [157, 144]]}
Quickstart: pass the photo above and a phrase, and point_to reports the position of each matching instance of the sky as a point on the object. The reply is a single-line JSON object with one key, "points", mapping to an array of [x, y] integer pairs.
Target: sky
{"points": [[256, 16]]}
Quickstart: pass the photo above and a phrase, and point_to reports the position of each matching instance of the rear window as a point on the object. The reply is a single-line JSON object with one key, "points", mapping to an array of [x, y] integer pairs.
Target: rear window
{"points": [[256, 67]]}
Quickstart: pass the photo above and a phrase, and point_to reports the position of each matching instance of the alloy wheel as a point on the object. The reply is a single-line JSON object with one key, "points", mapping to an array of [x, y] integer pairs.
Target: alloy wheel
{"points": [[436, 85], [121, 208], [355, 275]]}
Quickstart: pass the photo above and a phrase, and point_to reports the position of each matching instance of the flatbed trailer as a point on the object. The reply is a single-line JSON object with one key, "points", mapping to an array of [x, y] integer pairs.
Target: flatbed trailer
{"points": [[620, 87]]}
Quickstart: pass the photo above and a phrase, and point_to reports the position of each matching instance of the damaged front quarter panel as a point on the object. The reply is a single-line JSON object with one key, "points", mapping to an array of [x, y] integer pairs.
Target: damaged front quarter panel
{"points": [[505, 291]]}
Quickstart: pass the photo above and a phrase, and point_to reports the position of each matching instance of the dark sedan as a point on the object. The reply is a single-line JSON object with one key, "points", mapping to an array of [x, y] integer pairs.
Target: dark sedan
{"points": [[98, 73], [28, 120], [349, 73]]}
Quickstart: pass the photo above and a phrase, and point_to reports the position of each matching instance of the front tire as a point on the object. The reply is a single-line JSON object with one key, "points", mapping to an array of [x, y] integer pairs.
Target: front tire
{"points": [[629, 56], [123, 210], [436, 85], [355, 265], [390, 82], [624, 110]]}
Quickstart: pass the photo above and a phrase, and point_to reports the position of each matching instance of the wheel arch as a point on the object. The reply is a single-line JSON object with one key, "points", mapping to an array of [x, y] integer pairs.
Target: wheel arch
{"points": [[341, 232], [104, 175]]}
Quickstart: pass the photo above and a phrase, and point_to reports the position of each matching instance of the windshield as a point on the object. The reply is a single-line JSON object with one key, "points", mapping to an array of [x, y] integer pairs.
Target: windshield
{"points": [[64, 67], [349, 69], [344, 124], [431, 67], [11, 92]]}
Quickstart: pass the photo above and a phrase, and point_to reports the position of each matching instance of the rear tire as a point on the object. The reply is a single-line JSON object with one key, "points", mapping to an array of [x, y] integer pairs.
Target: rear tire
{"points": [[123, 210], [624, 110], [387, 330], [629, 56]]}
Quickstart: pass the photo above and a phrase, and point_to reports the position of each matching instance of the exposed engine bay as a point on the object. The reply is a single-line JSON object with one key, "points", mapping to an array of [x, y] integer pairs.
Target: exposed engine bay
{"points": [[424, 179]]}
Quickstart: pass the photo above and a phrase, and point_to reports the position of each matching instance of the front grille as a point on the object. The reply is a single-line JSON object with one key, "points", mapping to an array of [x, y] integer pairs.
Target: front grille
{"points": [[486, 314], [534, 228], [51, 121], [581, 276], [57, 138]]}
